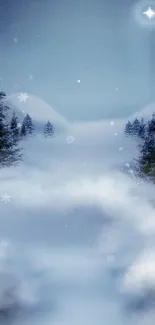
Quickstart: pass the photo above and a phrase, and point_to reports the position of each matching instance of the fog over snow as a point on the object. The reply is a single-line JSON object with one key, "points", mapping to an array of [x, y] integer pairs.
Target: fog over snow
{"points": [[77, 235]]}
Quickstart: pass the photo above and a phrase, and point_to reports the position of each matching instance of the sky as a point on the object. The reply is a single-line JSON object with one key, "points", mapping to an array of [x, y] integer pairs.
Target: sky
{"points": [[48, 45]]}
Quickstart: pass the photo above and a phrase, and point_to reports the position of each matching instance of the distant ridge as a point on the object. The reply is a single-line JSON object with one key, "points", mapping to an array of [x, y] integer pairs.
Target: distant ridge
{"points": [[39, 111]]}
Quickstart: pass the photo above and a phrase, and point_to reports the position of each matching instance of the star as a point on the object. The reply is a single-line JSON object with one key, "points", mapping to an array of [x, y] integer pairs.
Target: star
{"points": [[6, 198], [70, 139], [23, 97], [149, 13]]}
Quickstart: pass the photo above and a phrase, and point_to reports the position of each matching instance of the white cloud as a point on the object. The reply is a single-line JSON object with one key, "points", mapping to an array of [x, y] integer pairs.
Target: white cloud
{"points": [[64, 272]]}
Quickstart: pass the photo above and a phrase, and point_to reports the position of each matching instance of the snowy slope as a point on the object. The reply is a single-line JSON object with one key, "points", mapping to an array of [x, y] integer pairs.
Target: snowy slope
{"points": [[38, 109], [73, 233]]}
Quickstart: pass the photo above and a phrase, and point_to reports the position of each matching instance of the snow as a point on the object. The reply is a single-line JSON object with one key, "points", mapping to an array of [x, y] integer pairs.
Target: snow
{"points": [[146, 112], [40, 111], [74, 233]]}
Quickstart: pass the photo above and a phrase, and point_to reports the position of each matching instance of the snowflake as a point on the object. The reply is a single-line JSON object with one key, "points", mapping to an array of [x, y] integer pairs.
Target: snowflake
{"points": [[79, 81], [131, 171], [117, 89], [112, 123], [31, 77], [70, 139], [15, 40], [127, 165], [120, 149], [23, 97], [149, 13], [115, 134], [19, 125], [6, 198]]}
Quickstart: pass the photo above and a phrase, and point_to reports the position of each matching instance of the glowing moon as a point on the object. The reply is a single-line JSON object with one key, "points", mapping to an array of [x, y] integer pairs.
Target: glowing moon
{"points": [[144, 13]]}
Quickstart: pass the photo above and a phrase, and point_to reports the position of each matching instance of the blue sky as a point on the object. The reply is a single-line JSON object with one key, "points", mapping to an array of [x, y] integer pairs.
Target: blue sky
{"points": [[60, 42]]}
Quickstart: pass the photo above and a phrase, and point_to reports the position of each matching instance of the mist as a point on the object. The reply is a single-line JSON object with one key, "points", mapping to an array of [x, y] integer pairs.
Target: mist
{"points": [[77, 235]]}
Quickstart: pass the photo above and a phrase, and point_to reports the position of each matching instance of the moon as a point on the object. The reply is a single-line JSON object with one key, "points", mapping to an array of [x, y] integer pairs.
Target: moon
{"points": [[138, 13]]}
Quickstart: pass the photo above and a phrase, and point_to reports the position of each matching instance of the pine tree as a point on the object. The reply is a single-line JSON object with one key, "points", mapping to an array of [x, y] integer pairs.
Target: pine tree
{"points": [[128, 129], [48, 130], [14, 128], [146, 160], [151, 125], [9, 151], [23, 131], [27, 127], [142, 129], [135, 127]]}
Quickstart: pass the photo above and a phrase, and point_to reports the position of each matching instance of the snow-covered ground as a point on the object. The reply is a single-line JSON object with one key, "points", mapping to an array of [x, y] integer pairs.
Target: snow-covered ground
{"points": [[76, 234]]}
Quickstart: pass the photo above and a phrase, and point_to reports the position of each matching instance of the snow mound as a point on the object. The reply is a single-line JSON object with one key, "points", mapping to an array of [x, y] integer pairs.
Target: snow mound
{"points": [[38, 109]]}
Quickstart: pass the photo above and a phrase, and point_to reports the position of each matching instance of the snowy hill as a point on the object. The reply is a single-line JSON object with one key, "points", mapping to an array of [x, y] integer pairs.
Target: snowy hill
{"points": [[145, 112], [73, 231], [39, 111]]}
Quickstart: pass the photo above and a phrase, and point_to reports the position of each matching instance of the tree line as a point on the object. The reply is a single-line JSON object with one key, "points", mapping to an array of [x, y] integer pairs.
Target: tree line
{"points": [[27, 128], [12, 132], [145, 131]]}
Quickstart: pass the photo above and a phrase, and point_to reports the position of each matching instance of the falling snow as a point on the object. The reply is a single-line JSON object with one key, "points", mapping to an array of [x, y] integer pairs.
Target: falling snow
{"points": [[6, 198], [23, 97], [127, 165], [112, 123], [70, 139]]}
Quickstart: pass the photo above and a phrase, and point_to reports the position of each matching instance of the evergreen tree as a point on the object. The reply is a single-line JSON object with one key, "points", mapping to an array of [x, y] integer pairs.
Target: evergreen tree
{"points": [[142, 129], [135, 127], [27, 126], [128, 129], [146, 161], [151, 126], [23, 131], [48, 130], [9, 151], [14, 128]]}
